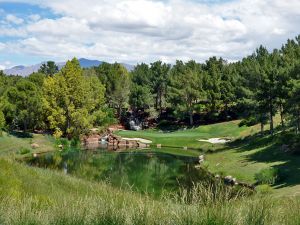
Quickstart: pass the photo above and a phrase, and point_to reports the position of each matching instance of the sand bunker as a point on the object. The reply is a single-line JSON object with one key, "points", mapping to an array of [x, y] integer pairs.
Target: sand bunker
{"points": [[215, 140], [145, 141]]}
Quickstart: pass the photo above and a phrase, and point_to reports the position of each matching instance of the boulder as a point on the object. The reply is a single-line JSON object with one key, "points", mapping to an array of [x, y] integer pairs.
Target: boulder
{"points": [[230, 180]]}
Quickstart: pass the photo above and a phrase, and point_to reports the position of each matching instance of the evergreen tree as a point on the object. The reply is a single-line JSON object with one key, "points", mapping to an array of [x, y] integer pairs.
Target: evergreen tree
{"points": [[185, 87], [72, 101], [49, 68]]}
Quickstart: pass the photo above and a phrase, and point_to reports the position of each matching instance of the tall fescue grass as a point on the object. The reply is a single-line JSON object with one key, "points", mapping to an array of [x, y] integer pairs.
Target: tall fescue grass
{"points": [[37, 196]]}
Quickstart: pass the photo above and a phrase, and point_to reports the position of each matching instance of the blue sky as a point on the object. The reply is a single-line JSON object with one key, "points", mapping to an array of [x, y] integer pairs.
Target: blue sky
{"points": [[134, 31]]}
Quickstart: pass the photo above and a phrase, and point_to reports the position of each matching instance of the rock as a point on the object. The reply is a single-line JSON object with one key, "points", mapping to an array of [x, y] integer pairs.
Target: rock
{"points": [[230, 180], [122, 143], [92, 139], [142, 145], [201, 161], [158, 145], [34, 145]]}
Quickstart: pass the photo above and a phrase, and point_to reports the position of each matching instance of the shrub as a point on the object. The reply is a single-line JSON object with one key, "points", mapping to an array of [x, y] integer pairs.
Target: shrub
{"points": [[24, 151], [57, 133], [75, 142], [248, 122], [267, 176], [167, 125]]}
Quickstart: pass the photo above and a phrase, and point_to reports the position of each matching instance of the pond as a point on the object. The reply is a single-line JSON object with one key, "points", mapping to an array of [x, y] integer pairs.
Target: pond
{"points": [[145, 172]]}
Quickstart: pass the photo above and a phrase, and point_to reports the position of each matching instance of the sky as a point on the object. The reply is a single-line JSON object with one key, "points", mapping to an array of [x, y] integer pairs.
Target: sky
{"points": [[135, 31]]}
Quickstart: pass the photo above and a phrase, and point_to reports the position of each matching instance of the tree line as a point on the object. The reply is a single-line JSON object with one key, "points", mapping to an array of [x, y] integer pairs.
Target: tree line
{"points": [[72, 100]]}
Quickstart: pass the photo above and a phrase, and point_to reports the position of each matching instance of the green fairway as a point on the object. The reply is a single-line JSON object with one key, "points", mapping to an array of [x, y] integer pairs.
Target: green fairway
{"points": [[190, 137]]}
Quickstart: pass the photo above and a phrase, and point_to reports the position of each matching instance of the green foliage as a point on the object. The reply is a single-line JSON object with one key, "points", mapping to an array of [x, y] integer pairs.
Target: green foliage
{"points": [[24, 151], [49, 68], [158, 83], [140, 97], [23, 105], [267, 176], [2, 122], [185, 87], [73, 102], [116, 80], [248, 122]]}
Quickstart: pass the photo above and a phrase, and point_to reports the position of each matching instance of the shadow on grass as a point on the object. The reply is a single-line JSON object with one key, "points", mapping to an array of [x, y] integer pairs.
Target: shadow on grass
{"points": [[21, 134], [271, 151]]}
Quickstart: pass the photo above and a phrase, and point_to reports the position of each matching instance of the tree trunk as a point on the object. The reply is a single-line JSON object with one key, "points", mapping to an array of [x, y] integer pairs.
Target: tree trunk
{"points": [[261, 128], [156, 101], [25, 125], [271, 118], [281, 115], [298, 122], [226, 110], [119, 111], [191, 117], [160, 102]]}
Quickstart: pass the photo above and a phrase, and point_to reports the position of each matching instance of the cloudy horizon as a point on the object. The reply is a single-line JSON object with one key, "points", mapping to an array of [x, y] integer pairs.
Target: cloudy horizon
{"points": [[135, 31]]}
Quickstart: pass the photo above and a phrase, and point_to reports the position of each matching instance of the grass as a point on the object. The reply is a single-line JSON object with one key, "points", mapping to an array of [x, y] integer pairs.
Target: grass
{"points": [[190, 137], [243, 158], [248, 156], [37, 196], [13, 143]]}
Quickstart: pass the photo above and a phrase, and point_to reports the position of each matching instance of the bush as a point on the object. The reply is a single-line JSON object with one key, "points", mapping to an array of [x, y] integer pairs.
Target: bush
{"points": [[164, 124], [24, 151], [75, 142], [168, 125], [267, 176], [251, 121]]}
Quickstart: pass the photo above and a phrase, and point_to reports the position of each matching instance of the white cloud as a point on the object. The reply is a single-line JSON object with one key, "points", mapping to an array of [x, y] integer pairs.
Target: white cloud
{"points": [[14, 19], [5, 64], [147, 30], [34, 17]]}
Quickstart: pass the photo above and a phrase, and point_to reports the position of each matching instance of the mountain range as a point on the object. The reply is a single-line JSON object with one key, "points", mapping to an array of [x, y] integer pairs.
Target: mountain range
{"points": [[84, 63]]}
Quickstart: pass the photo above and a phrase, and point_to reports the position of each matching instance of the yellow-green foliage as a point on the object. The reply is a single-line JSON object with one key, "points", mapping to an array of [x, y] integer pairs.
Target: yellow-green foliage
{"points": [[71, 100]]}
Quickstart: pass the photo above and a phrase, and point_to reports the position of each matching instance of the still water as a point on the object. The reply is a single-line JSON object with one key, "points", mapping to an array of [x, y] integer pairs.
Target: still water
{"points": [[146, 172]]}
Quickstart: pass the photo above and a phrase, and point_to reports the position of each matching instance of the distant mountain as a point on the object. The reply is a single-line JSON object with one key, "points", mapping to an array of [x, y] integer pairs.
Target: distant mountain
{"points": [[84, 63]]}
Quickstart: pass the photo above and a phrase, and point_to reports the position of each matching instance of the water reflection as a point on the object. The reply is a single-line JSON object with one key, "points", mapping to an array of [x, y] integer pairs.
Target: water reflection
{"points": [[149, 172]]}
